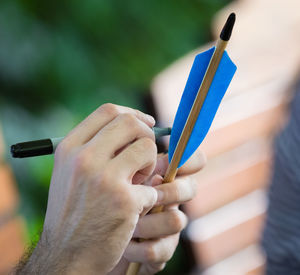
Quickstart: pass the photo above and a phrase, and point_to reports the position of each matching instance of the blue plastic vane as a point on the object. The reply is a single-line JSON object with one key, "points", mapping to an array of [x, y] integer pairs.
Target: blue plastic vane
{"points": [[219, 85]]}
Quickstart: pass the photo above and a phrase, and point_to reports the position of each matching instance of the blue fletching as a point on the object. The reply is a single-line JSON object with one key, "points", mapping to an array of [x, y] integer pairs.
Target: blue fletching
{"points": [[219, 85]]}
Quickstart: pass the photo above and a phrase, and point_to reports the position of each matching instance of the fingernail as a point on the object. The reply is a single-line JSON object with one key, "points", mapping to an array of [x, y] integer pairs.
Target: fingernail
{"points": [[150, 119], [160, 195]]}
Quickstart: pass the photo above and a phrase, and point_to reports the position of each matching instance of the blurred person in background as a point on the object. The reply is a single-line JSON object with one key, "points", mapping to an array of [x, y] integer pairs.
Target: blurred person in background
{"points": [[98, 199], [281, 236]]}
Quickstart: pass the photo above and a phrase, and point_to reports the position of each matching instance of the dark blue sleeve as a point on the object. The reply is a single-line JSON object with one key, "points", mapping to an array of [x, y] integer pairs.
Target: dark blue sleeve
{"points": [[281, 236]]}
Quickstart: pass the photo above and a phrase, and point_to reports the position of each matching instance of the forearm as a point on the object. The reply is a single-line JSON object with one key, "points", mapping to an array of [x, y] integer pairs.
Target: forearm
{"points": [[43, 259], [48, 257]]}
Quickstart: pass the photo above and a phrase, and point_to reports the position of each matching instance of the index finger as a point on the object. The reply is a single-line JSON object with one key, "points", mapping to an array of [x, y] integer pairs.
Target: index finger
{"points": [[90, 126]]}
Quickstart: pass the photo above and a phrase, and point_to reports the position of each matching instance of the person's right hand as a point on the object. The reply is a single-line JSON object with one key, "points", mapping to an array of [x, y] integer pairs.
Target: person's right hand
{"points": [[95, 197]]}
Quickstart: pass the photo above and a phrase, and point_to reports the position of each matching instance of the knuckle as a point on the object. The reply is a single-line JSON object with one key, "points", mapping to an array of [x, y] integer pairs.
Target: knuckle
{"points": [[173, 194], [63, 149], [203, 158], [194, 187], [81, 161], [160, 267], [110, 177], [200, 159], [177, 220], [130, 120], [149, 145], [108, 108], [167, 256], [150, 254], [119, 201], [177, 195], [106, 176], [126, 213], [153, 194], [187, 191], [122, 199]]}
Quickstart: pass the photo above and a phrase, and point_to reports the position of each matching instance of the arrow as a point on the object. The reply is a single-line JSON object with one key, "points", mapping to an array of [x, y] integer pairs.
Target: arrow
{"points": [[209, 78]]}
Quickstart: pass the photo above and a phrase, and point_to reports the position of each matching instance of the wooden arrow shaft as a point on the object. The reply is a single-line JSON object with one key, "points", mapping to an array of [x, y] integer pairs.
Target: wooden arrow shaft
{"points": [[188, 127], [195, 110]]}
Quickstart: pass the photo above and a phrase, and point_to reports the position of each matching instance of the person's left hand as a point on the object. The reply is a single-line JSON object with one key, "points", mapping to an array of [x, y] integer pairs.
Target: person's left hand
{"points": [[161, 230]]}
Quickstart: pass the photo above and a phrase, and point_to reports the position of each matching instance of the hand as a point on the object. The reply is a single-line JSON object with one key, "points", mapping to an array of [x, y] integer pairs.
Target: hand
{"points": [[162, 229], [93, 207]]}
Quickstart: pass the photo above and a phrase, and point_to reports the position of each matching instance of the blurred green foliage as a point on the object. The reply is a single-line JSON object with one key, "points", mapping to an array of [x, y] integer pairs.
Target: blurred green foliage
{"points": [[82, 52], [60, 60]]}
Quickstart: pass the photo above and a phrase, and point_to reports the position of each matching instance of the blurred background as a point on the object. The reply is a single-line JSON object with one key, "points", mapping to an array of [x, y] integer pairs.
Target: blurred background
{"points": [[60, 60]]}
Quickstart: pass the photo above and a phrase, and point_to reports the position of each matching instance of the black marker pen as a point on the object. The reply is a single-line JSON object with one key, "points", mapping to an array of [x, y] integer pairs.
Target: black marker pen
{"points": [[47, 146]]}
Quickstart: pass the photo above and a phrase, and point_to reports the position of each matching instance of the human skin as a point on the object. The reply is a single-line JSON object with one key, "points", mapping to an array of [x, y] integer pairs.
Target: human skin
{"points": [[104, 181], [162, 229]]}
